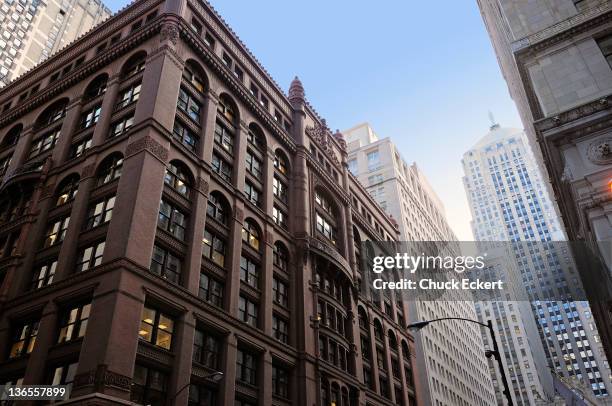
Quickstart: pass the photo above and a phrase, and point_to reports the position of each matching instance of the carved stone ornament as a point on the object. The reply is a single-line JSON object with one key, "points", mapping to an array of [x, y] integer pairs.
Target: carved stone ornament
{"points": [[170, 32], [147, 143], [203, 185], [600, 151], [321, 135]]}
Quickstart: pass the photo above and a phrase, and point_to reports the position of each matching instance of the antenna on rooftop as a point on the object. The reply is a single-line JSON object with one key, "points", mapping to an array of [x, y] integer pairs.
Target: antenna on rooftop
{"points": [[494, 124]]}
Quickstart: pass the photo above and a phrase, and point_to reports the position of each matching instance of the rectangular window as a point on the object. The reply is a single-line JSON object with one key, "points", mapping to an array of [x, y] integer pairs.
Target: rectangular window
{"points": [[211, 290], [325, 228], [249, 272], [279, 189], [279, 217], [373, 160], [222, 168], [280, 327], [73, 322], [247, 311], [44, 273], [224, 138], [227, 60], [185, 136], [56, 231], [64, 374], [280, 381], [280, 292], [196, 25], [213, 247], [149, 386], [24, 338], [156, 328], [79, 148], [252, 194], [246, 368], [206, 349], [100, 212], [90, 117], [189, 105], [90, 257], [128, 96], [121, 126], [253, 165], [44, 143], [165, 264], [172, 220]]}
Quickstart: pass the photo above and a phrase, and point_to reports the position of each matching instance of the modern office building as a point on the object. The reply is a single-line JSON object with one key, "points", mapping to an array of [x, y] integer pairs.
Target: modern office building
{"points": [[509, 202], [556, 57], [32, 30], [447, 375], [169, 213]]}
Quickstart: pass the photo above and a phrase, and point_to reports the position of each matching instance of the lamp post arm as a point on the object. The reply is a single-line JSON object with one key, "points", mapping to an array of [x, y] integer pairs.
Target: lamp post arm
{"points": [[461, 318]]}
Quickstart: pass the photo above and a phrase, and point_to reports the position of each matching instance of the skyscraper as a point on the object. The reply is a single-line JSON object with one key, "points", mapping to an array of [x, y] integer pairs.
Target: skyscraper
{"points": [[447, 376], [509, 202], [32, 30], [556, 57]]}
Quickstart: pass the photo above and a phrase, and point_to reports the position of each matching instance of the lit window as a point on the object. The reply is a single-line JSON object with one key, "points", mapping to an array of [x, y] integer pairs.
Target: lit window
{"points": [[56, 232], [156, 328], [73, 323], [24, 338]]}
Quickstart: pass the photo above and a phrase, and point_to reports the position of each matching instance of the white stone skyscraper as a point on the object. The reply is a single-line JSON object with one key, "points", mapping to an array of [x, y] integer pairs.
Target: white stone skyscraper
{"points": [[451, 366], [32, 30], [509, 202]]}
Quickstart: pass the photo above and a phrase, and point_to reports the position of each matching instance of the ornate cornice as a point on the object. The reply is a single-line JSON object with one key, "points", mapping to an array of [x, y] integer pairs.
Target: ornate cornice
{"points": [[574, 114], [567, 28]]}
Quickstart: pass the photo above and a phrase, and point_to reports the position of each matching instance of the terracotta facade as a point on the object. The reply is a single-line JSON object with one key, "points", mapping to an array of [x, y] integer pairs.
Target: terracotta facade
{"points": [[168, 212]]}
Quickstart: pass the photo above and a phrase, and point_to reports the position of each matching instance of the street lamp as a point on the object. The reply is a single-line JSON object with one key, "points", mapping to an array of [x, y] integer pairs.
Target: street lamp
{"points": [[488, 353], [215, 377]]}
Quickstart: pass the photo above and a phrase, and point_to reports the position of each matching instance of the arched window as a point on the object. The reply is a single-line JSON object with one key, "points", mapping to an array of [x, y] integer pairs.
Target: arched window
{"points": [[96, 87], [363, 318], [68, 189], [194, 74], [250, 234], [256, 137], [178, 178], [378, 330], [135, 64], [110, 169], [53, 113], [405, 351], [12, 136], [218, 208], [227, 108], [281, 256], [392, 341], [281, 163]]}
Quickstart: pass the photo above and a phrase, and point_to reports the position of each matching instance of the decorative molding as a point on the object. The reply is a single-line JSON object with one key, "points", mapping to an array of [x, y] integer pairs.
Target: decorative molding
{"points": [[322, 136], [169, 32], [102, 377], [600, 151], [239, 214], [147, 143], [566, 28], [88, 171], [202, 186], [573, 114]]}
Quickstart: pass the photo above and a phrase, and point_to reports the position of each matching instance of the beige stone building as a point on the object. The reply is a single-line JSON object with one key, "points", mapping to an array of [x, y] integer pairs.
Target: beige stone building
{"points": [[556, 56], [32, 30], [446, 375]]}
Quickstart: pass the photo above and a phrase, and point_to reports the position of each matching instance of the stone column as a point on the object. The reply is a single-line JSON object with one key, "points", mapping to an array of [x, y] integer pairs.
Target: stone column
{"points": [[46, 338], [240, 155], [69, 125], [228, 386], [68, 251], [108, 106], [193, 261], [21, 151], [267, 276], [390, 384], [208, 127], [265, 376], [232, 282], [374, 357], [108, 350], [183, 350]]}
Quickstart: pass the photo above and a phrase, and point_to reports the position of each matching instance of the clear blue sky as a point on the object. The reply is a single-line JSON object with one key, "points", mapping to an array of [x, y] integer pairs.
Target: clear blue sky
{"points": [[421, 72]]}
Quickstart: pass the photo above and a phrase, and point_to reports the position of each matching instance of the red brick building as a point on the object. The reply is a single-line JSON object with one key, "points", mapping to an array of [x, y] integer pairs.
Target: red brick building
{"points": [[167, 212]]}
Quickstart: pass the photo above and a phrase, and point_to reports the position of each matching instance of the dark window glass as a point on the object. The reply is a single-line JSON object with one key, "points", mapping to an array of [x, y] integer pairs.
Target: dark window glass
{"points": [[73, 322], [207, 349], [248, 311], [43, 274], [249, 272], [165, 264], [149, 386], [211, 290], [100, 212], [246, 367], [90, 256], [213, 247]]}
